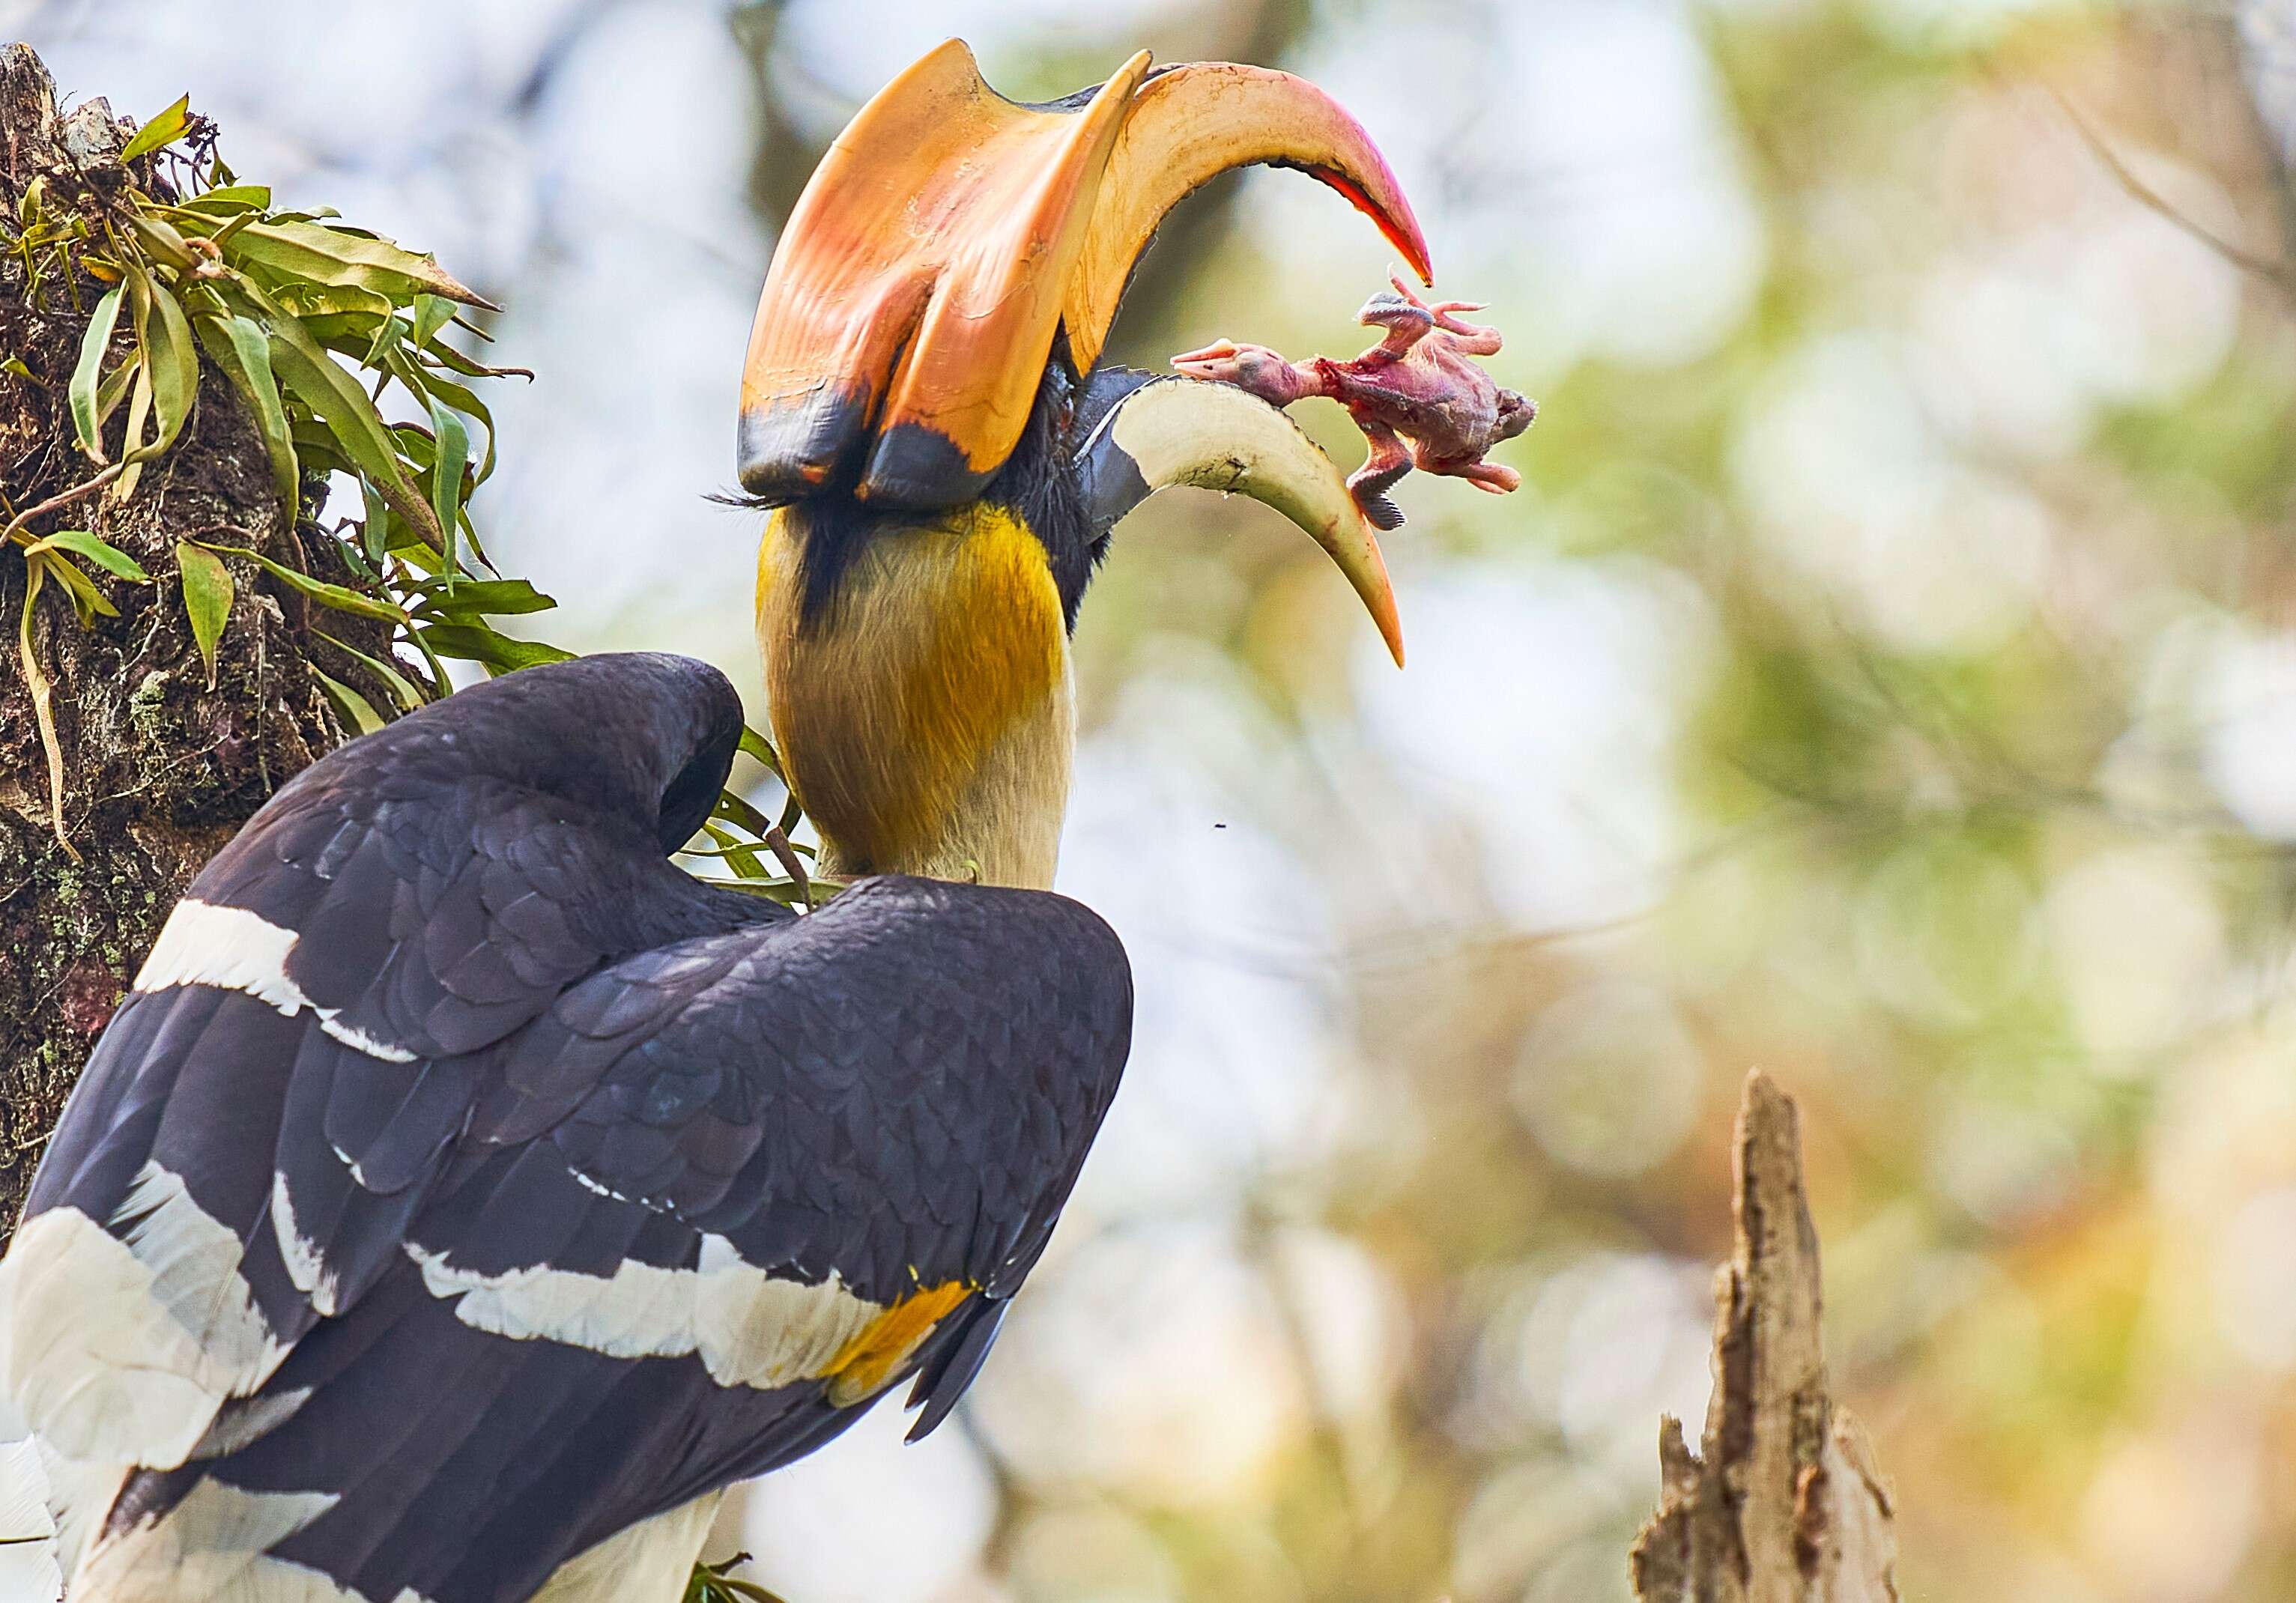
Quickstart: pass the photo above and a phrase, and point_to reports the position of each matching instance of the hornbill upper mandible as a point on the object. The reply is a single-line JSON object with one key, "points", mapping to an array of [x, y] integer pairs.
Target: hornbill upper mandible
{"points": [[463, 1197]]}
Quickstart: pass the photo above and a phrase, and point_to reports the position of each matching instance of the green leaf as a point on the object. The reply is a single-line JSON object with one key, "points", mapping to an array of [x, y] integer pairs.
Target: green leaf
{"points": [[80, 543], [364, 578], [401, 686], [741, 854], [475, 599], [761, 748], [87, 599], [330, 256], [308, 301], [161, 242], [419, 555], [453, 454], [317, 448], [417, 447], [115, 385], [744, 860], [350, 336], [431, 314], [471, 538], [315, 378], [430, 383], [386, 341], [131, 452], [239, 346], [222, 236], [170, 355], [327, 595], [230, 199], [354, 707], [376, 534], [207, 598], [439, 676], [15, 365], [475, 642], [86, 420], [448, 356], [163, 130], [736, 809]]}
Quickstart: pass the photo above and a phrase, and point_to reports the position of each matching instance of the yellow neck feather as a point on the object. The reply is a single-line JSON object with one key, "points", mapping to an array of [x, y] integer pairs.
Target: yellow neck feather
{"points": [[925, 716]]}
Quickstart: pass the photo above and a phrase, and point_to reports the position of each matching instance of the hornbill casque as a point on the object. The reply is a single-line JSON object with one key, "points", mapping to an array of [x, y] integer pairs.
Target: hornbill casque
{"points": [[465, 1195]]}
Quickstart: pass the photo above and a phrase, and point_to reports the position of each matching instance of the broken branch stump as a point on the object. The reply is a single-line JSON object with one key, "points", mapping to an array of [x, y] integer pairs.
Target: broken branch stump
{"points": [[1783, 1502]]}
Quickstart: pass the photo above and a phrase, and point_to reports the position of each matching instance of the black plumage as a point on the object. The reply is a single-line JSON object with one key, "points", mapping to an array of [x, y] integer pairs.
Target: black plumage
{"points": [[523, 1040]]}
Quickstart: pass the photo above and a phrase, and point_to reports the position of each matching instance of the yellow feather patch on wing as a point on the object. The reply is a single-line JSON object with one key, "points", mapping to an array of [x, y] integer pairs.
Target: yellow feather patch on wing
{"points": [[881, 1346]]}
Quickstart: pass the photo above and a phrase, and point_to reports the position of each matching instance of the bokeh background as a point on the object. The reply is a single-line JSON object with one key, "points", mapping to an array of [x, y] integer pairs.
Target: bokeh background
{"points": [[1887, 676]]}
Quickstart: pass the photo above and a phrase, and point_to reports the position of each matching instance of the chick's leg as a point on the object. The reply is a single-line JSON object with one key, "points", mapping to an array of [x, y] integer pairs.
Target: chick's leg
{"points": [[1389, 460]]}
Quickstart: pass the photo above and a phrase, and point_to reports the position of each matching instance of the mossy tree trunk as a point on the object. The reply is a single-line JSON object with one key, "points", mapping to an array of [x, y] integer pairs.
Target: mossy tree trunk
{"points": [[161, 768]]}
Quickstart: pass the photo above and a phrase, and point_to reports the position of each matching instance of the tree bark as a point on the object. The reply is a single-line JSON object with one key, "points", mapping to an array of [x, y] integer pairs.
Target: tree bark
{"points": [[161, 768], [1784, 1503]]}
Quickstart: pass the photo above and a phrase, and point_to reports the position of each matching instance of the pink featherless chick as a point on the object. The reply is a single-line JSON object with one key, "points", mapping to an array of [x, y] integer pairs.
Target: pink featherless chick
{"points": [[1418, 396]]}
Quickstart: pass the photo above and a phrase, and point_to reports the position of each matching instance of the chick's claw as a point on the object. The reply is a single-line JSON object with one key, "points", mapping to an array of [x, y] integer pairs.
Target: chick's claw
{"points": [[1418, 396]]}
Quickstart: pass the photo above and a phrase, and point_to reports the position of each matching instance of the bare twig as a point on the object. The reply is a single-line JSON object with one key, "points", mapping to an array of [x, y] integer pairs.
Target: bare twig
{"points": [[78, 492], [793, 865]]}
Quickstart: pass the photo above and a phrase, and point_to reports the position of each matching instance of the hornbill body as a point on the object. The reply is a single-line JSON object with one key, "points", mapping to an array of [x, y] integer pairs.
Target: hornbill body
{"points": [[463, 1196]]}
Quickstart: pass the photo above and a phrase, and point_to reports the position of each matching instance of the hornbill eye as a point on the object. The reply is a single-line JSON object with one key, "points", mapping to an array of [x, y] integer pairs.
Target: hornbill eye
{"points": [[950, 236]]}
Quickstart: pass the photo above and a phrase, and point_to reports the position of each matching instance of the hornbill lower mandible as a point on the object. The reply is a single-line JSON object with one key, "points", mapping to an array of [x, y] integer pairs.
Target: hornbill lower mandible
{"points": [[463, 1196]]}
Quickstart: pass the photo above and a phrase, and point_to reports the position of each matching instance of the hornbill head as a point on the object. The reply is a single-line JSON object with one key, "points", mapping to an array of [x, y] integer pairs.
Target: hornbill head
{"points": [[923, 408]]}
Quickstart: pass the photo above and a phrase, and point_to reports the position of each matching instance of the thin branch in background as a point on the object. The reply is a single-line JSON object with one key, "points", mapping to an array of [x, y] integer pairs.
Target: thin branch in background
{"points": [[2277, 273]]}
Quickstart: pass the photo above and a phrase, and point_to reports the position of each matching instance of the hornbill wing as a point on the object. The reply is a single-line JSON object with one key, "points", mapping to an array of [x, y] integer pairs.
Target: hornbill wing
{"points": [[712, 1203], [884, 1092], [272, 1103]]}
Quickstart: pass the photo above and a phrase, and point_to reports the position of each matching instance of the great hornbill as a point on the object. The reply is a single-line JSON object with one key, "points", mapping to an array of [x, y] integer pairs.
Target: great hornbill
{"points": [[463, 1196]]}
